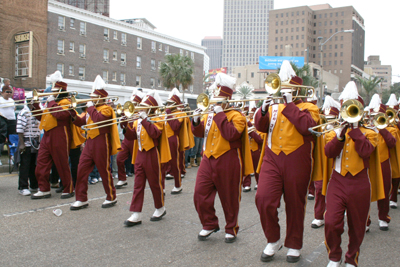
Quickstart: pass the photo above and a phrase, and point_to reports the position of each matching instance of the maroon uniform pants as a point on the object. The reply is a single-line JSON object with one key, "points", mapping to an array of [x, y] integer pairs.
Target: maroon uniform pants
{"points": [[351, 193], [255, 156], [122, 156], [182, 162], [222, 175], [173, 166], [383, 204], [395, 187], [147, 166], [311, 189], [288, 175], [54, 147], [97, 152], [319, 205]]}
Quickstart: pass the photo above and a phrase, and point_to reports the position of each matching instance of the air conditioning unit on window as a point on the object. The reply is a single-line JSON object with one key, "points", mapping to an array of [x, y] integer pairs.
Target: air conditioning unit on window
{"points": [[123, 63], [81, 78], [106, 38], [61, 28], [123, 43], [123, 83], [82, 55], [82, 32], [60, 51], [105, 60], [153, 50]]}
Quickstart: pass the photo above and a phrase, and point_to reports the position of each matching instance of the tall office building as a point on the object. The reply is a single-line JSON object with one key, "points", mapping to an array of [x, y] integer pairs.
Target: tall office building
{"points": [[374, 67], [214, 50], [301, 27], [245, 31], [97, 6]]}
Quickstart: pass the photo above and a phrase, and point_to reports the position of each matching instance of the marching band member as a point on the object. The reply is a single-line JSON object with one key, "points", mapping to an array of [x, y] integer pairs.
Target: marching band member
{"points": [[100, 145], [173, 128], [256, 142], [150, 150], [127, 145], [56, 141], [226, 159], [286, 167], [395, 156], [322, 165], [355, 181], [386, 141]]}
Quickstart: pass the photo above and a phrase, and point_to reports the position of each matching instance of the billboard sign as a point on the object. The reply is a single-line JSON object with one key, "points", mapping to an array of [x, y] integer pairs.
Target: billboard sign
{"points": [[272, 63], [212, 73]]}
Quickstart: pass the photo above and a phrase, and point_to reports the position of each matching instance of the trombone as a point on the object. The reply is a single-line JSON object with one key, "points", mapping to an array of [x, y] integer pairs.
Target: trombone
{"points": [[273, 85], [351, 111], [36, 95]]}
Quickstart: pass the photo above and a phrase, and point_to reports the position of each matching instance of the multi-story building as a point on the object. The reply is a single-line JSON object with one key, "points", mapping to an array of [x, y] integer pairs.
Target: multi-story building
{"points": [[82, 44], [23, 42], [301, 27], [97, 6], [245, 34], [374, 67], [214, 50]]}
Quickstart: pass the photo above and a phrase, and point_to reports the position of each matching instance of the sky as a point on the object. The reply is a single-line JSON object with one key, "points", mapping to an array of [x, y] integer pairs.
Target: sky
{"points": [[192, 20]]}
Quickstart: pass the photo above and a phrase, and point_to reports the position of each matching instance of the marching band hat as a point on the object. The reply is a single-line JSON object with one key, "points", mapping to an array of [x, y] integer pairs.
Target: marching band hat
{"points": [[98, 89], [173, 97], [225, 83], [392, 102], [350, 92], [152, 99]]}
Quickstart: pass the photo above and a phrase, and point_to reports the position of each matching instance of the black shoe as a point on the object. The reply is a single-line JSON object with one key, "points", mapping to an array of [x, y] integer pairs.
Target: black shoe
{"points": [[130, 224], [204, 237], [155, 219], [40, 197], [384, 228], [292, 259], [230, 239], [176, 192], [129, 174], [266, 258], [60, 189], [69, 195]]}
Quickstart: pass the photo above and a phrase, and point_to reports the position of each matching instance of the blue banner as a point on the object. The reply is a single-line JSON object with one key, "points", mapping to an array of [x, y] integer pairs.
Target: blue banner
{"points": [[272, 63]]}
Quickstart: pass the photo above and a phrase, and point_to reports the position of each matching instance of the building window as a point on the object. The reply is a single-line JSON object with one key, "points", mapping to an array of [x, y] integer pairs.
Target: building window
{"points": [[114, 77], [71, 47], [166, 49], [123, 39], [123, 59], [82, 28], [71, 70], [159, 64], [181, 52], [122, 78], [115, 35], [61, 23], [138, 81], [239, 75], [139, 43], [153, 46], [60, 67], [158, 82], [106, 57], [159, 47], [105, 75], [138, 62], [115, 55], [72, 23], [82, 51], [81, 73], [252, 75], [192, 56], [106, 34], [152, 83], [153, 64], [60, 47]]}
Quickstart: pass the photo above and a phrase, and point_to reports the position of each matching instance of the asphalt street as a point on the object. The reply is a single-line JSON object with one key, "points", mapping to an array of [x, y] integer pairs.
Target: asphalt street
{"points": [[31, 235]]}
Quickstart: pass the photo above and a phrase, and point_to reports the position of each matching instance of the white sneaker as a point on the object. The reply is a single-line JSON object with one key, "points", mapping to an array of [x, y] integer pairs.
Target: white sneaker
{"points": [[333, 264], [136, 218], [41, 194], [272, 248], [350, 265], [293, 255], [246, 189], [366, 229], [176, 190], [255, 187], [383, 226], [116, 176], [108, 203], [169, 176], [77, 205], [317, 223], [204, 234], [158, 214], [121, 184], [95, 180], [310, 197], [25, 192], [182, 175], [393, 205]]}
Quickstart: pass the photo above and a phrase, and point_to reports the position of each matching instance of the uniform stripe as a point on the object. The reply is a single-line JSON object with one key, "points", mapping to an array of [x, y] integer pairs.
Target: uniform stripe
{"points": [[160, 177], [240, 188], [177, 161]]}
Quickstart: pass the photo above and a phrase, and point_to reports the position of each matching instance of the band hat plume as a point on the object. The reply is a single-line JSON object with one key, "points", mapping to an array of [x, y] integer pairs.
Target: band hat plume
{"points": [[287, 74], [98, 88], [392, 102], [375, 103], [226, 84], [152, 98], [350, 91], [331, 106], [252, 106], [174, 97], [57, 83], [137, 96]]}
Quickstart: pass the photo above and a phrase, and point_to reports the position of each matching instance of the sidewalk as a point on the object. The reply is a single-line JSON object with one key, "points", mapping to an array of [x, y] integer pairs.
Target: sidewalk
{"points": [[4, 168]]}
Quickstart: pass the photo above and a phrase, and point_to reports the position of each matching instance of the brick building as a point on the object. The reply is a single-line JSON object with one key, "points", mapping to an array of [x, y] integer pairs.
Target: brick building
{"points": [[82, 44], [300, 27], [23, 42]]}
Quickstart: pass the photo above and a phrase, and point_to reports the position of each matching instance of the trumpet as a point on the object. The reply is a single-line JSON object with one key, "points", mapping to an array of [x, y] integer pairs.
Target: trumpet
{"points": [[351, 111]]}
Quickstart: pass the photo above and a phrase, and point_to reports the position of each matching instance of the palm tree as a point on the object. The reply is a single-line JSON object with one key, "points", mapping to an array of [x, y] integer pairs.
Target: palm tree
{"points": [[177, 71], [245, 90], [369, 86]]}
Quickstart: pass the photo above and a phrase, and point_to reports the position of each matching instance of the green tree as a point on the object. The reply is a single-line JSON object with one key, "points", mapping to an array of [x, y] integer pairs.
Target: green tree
{"points": [[245, 91], [369, 86], [177, 71]]}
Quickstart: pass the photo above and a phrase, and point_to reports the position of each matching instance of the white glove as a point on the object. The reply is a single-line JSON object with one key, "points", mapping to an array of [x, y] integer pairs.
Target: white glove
{"points": [[143, 115], [89, 104], [288, 97], [267, 102], [218, 109], [354, 125], [196, 115], [329, 127], [50, 98]]}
